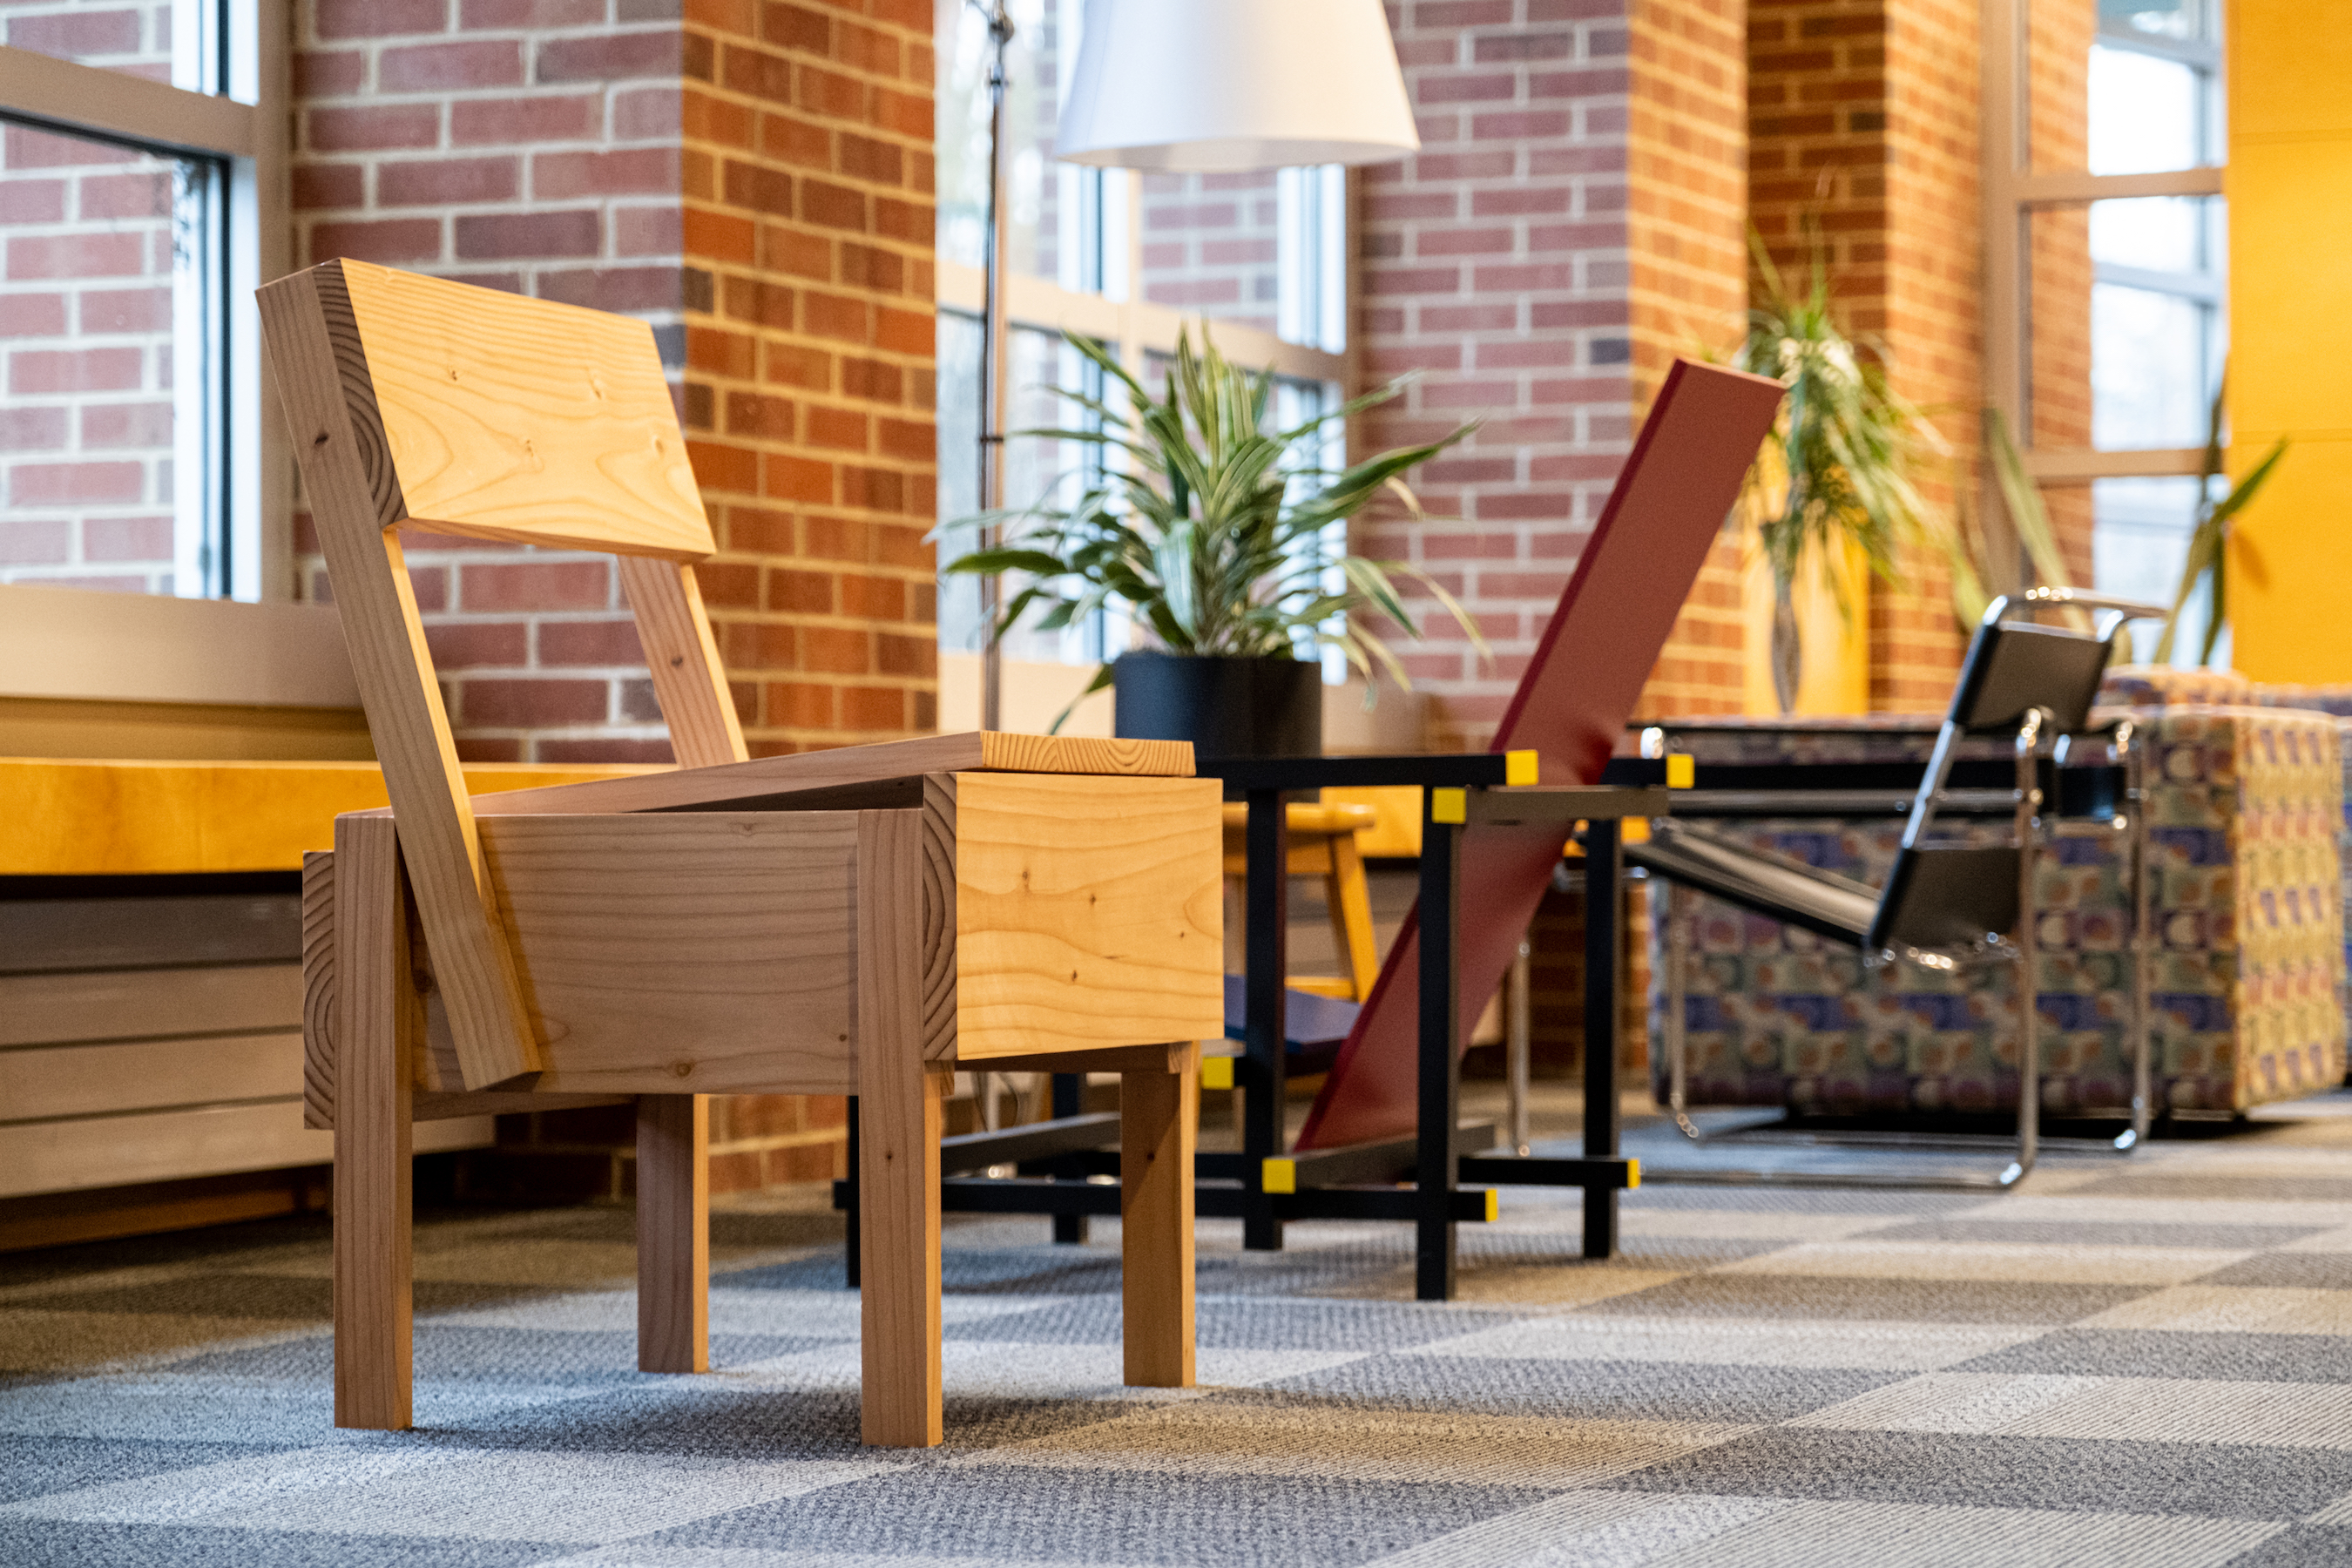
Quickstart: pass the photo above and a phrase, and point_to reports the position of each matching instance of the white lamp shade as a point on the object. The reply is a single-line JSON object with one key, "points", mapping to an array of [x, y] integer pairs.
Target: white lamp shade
{"points": [[1203, 85]]}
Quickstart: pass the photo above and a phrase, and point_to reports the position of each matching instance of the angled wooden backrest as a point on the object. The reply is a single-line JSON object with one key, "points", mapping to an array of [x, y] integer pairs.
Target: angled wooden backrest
{"points": [[472, 412]]}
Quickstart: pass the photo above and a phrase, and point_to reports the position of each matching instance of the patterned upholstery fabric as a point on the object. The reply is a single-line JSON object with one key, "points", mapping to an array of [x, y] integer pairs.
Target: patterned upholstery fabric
{"points": [[2163, 686], [2144, 685], [2246, 985]]}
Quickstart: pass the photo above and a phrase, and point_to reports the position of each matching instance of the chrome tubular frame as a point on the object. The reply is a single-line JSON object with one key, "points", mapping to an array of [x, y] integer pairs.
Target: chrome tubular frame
{"points": [[2024, 951]]}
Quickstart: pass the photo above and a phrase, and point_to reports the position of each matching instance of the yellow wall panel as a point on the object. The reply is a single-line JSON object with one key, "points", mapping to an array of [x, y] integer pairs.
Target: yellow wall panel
{"points": [[2290, 68], [2290, 189], [2291, 569], [2291, 289]]}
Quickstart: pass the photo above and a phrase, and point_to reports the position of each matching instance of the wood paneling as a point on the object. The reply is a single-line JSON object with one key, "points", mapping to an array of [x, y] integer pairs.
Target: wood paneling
{"points": [[147, 1075], [116, 1150], [128, 1004]]}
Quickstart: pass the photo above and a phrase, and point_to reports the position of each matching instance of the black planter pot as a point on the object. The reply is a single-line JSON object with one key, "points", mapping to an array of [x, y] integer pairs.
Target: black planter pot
{"points": [[1226, 707]]}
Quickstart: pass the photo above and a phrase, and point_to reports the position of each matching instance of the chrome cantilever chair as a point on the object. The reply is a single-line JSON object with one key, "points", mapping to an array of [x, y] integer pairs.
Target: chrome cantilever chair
{"points": [[1948, 905]]}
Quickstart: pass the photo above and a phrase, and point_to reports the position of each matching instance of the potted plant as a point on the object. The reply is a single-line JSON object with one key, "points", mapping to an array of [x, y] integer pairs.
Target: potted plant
{"points": [[1202, 525], [1835, 473]]}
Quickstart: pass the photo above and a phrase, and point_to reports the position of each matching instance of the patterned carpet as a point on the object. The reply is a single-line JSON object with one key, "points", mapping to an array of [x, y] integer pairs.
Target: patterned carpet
{"points": [[2141, 1360]]}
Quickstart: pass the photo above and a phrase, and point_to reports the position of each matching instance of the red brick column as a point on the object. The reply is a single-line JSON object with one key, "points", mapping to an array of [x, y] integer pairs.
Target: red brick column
{"points": [[1571, 221]]}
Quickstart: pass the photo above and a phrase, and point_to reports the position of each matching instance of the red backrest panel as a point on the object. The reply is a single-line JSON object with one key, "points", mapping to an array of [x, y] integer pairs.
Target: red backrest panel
{"points": [[1669, 503]]}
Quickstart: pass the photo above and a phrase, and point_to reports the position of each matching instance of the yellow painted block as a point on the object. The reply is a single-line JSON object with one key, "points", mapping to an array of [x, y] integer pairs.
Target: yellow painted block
{"points": [[1522, 767], [1682, 770], [1633, 1175], [1449, 806], [1494, 1204], [1279, 1176], [1216, 1072]]}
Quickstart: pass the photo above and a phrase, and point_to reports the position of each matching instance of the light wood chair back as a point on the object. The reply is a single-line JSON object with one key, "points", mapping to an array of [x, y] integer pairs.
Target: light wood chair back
{"points": [[471, 412]]}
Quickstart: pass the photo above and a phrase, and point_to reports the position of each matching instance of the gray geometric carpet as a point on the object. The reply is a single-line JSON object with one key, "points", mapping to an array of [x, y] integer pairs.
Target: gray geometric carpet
{"points": [[2139, 1362]]}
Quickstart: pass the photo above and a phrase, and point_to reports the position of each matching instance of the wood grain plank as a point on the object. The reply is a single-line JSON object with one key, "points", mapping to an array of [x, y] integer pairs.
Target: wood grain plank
{"points": [[900, 1097], [319, 989], [939, 1026], [322, 379], [382, 1020], [1089, 912], [145, 1003], [1005, 751], [82, 1154], [673, 1233], [883, 761], [147, 1075], [509, 417], [689, 682], [1159, 1120], [710, 951]]}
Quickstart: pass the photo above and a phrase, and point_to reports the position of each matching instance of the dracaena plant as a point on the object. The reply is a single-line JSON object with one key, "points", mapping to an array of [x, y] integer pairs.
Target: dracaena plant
{"points": [[1202, 521], [1835, 473]]}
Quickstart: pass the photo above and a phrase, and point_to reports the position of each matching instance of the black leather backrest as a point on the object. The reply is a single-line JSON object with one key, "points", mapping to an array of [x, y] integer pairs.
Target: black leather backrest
{"points": [[2015, 666]]}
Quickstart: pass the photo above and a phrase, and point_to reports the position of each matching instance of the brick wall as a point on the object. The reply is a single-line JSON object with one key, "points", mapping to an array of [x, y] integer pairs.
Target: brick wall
{"points": [[86, 310], [531, 145], [810, 353], [755, 181], [1538, 263], [1208, 244]]}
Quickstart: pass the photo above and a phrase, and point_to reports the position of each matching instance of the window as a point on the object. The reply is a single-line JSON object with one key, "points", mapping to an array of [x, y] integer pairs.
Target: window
{"points": [[140, 172], [1123, 258], [2105, 327]]}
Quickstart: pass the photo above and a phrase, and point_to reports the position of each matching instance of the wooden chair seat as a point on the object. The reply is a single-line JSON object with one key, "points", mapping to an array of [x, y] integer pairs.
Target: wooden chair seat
{"points": [[861, 922]]}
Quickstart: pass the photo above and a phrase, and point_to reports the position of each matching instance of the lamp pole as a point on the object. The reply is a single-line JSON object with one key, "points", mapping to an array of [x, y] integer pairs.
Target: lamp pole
{"points": [[991, 362]]}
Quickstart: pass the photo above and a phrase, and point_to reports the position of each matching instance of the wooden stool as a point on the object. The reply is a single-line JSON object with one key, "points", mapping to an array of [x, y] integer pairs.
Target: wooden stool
{"points": [[860, 922], [1323, 843]]}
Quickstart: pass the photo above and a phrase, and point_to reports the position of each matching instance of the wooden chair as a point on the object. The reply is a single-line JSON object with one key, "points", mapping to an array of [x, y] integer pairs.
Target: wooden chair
{"points": [[860, 921]]}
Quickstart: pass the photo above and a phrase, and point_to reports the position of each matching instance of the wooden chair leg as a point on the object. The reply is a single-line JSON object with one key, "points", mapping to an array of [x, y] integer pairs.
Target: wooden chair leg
{"points": [[380, 1020], [900, 1100], [899, 1109], [673, 1233], [1159, 1115]]}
